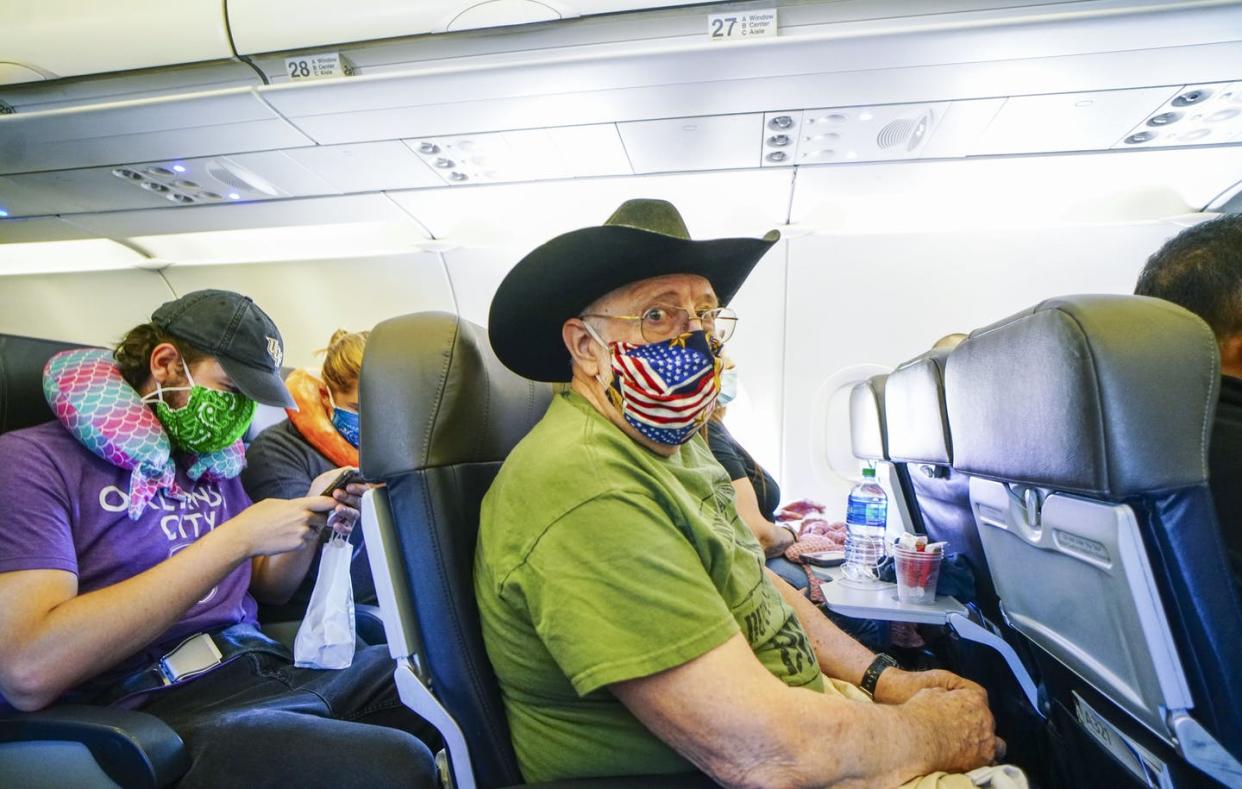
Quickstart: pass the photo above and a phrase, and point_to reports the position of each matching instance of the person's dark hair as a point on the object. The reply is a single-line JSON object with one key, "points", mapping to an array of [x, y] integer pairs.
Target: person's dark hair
{"points": [[1201, 269], [133, 353]]}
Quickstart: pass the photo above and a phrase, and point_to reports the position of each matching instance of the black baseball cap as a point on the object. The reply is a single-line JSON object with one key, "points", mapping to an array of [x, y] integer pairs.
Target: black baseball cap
{"points": [[232, 328]]}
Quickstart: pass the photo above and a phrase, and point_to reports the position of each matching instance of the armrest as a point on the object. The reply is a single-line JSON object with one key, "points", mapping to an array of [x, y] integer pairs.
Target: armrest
{"points": [[132, 748], [369, 623]]}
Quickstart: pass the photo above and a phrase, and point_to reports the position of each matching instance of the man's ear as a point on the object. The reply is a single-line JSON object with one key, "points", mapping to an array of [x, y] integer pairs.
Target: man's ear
{"points": [[166, 367], [1231, 355], [581, 345]]}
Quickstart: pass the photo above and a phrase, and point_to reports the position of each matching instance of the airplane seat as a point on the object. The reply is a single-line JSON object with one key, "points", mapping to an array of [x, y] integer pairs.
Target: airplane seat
{"points": [[88, 746], [452, 412], [1083, 423], [919, 439], [22, 403], [869, 441]]}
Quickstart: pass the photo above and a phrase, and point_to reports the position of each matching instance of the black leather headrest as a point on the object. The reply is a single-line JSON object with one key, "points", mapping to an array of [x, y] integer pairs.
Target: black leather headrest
{"points": [[867, 433], [22, 403], [434, 394], [1109, 396], [914, 411]]}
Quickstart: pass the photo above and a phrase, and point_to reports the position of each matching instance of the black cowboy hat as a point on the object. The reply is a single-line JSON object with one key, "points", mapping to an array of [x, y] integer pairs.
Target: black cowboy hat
{"points": [[555, 282]]}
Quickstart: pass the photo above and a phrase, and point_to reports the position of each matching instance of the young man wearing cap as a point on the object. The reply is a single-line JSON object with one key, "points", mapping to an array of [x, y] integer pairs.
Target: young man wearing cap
{"points": [[132, 554], [624, 605]]}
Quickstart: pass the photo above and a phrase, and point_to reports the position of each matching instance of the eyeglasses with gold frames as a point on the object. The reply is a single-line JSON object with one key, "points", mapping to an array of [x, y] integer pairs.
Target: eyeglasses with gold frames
{"points": [[660, 322]]}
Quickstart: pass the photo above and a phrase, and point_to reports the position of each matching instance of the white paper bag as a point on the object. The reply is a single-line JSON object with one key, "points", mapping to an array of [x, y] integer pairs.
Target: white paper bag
{"points": [[326, 637]]}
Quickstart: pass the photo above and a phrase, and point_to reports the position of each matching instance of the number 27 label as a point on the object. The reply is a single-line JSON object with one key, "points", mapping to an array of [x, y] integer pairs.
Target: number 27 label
{"points": [[739, 25]]}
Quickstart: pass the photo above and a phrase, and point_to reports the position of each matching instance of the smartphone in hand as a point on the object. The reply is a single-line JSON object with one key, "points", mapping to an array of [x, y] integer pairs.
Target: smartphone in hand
{"points": [[346, 477]]}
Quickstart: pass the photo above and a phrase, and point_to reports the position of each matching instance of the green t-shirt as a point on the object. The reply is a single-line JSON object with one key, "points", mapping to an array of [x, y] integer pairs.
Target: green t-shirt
{"points": [[600, 561]]}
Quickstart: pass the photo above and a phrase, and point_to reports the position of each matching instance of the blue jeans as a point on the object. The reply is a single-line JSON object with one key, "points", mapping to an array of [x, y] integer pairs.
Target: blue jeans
{"points": [[260, 721]]}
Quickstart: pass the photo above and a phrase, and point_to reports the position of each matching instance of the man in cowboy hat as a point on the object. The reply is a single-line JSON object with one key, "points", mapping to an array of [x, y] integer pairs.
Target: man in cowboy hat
{"points": [[624, 604]]}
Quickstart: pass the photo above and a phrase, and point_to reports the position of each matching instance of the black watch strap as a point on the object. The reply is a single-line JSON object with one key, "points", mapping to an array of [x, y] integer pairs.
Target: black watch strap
{"points": [[872, 675]]}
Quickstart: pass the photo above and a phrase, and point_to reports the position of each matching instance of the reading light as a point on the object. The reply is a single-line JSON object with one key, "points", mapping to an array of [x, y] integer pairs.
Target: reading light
{"points": [[1191, 97]]}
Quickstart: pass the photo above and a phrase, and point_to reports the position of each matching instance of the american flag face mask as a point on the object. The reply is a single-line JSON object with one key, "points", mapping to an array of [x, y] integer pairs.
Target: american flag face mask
{"points": [[665, 390]]}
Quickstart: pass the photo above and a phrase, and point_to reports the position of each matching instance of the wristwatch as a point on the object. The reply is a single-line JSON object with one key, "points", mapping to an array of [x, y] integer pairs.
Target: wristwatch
{"points": [[791, 531], [872, 675]]}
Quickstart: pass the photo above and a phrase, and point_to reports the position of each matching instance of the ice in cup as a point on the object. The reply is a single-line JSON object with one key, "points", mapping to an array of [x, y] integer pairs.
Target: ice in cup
{"points": [[917, 574]]}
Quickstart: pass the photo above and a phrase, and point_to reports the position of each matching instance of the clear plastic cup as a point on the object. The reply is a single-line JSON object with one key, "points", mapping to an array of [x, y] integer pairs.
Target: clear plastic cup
{"points": [[917, 574]]}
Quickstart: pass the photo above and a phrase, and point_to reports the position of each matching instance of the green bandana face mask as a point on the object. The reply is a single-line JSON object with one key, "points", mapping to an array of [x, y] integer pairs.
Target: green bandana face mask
{"points": [[210, 420]]}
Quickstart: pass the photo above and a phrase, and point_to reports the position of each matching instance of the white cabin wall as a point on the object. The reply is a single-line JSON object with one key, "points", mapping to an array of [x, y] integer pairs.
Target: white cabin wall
{"points": [[91, 307], [758, 350], [310, 299], [475, 274], [881, 299]]}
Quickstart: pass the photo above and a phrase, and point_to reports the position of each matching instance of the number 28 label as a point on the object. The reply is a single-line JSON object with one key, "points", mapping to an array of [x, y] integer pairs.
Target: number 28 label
{"points": [[322, 66], [734, 26]]}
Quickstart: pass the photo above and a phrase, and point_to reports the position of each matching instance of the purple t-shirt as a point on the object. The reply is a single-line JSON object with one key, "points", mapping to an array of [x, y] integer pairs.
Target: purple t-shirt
{"points": [[64, 508]]}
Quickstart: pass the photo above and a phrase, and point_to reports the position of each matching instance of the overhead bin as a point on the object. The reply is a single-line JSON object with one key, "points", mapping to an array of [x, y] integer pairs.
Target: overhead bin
{"points": [[197, 124], [276, 25], [821, 63], [51, 39]]}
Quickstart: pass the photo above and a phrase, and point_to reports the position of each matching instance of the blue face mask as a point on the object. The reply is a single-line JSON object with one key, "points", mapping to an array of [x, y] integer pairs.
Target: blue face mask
{"points": [[728, 387], [347, 424]]}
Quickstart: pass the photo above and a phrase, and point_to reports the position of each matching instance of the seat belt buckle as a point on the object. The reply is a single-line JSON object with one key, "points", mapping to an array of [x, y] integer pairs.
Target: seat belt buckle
{"points": [[193, 656]]}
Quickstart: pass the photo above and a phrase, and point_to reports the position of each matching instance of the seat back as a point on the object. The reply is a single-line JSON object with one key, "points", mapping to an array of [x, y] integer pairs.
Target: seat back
{"points": [[869, 441], [22, 403], [1086, 420], [919, 438], [868, 438], [439, 415]]}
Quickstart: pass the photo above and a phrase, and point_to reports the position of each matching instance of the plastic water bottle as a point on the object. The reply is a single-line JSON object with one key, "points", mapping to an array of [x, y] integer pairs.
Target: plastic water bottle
{"points": [[865, 522]]}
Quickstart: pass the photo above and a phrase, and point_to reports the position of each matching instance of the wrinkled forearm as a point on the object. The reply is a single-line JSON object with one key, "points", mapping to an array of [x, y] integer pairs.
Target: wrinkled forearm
{"points": [[809, 739]]}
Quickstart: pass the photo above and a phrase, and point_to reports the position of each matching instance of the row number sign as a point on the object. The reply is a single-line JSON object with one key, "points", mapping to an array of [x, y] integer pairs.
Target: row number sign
{"points": [[735, 26], [323, 66]]}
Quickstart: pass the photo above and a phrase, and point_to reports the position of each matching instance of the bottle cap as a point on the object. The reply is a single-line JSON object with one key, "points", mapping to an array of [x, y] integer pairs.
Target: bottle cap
{"points": [[868, 472]]}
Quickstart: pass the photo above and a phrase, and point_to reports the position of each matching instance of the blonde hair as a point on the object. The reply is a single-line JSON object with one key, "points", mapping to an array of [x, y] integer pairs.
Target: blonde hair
{"points": [[342, 362]]}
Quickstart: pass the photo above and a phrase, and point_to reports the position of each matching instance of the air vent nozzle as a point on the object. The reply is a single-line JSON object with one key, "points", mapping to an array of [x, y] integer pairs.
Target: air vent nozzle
{"points": [[904, 132], [240, 178]]}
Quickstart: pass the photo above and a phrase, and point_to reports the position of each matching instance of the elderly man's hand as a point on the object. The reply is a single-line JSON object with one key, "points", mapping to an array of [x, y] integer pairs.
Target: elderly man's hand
{"points": [[961, 727], [897, 686]]}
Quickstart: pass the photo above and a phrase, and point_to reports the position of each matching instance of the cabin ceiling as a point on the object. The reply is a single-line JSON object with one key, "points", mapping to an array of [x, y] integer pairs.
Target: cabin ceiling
{"points": [[853, 118]]}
